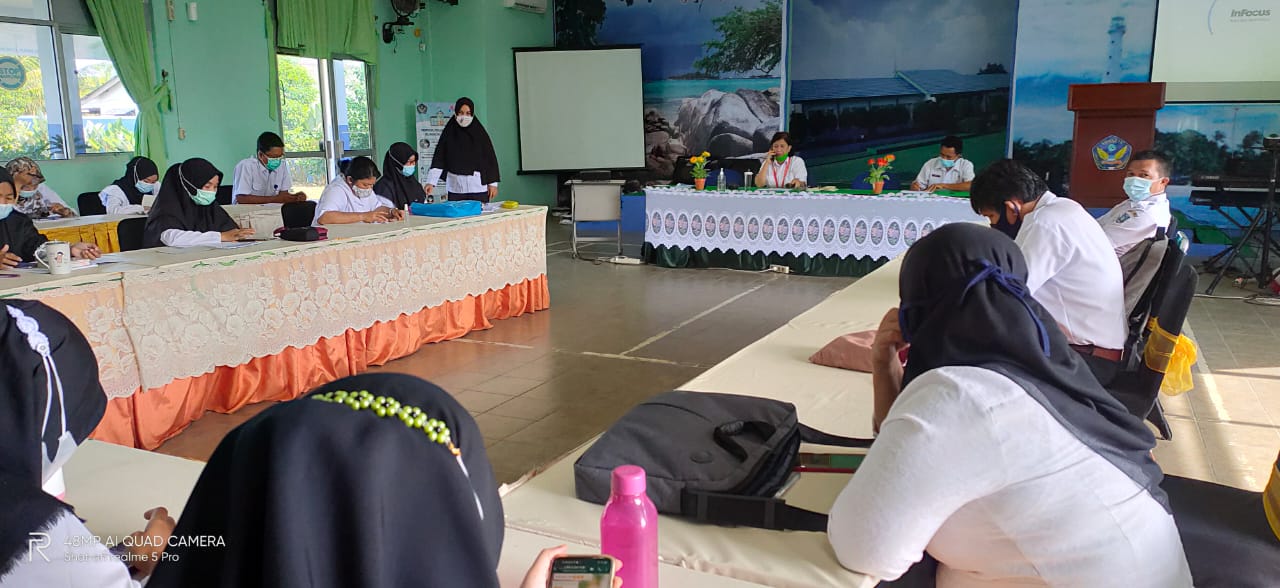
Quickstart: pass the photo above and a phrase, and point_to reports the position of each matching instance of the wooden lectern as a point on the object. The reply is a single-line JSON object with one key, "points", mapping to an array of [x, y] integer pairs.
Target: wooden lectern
{"points": [[1112, 122]]}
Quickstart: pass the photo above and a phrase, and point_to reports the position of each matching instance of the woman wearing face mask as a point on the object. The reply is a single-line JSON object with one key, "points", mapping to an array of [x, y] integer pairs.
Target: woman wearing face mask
{"points": [[50, 400], [466, 153], [124, 196], [781, 169], [19, 239], [185, 214], [351, 198], [400, 185], [35, 198]]}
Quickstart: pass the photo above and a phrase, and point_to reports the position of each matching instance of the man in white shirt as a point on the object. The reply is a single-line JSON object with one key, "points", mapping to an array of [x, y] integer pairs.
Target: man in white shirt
{"points": [[948, 171], [1147, 207], [1072, 269], [264, 178]]}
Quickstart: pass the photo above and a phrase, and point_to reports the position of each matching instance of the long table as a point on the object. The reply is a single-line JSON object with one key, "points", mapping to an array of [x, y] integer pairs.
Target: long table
{"points": [[101, 229], [814, 233], [212, 328], [777, 366]]}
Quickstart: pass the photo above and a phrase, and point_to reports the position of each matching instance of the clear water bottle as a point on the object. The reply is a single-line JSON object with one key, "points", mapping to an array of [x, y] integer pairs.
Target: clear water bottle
{"points": [[629, 528], [720, 185]]}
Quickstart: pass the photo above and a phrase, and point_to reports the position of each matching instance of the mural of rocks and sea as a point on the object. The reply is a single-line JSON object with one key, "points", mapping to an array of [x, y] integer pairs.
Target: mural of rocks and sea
{"points": [[712, 70]]}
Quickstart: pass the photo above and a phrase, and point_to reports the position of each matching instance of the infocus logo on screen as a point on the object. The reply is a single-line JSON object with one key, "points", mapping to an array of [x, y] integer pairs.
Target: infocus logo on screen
{"points": [[1248, 13]]}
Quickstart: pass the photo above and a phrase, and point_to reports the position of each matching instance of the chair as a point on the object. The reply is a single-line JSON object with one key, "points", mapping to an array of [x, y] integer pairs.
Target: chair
{"points": [[596, 202], [89, 204], [298, 214], [224, 195], [129, 233], [1225, 534]]}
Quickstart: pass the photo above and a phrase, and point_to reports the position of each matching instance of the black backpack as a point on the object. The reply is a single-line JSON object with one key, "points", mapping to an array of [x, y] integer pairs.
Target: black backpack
{"points": [[716, 458]]}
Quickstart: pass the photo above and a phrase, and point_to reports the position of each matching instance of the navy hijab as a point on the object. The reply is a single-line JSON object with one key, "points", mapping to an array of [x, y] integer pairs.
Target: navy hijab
{"points": [[965, 303], [314, 494]]}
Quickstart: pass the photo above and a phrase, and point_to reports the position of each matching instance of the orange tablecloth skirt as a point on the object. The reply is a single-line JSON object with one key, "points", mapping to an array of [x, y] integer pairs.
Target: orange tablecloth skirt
{"points": [[148, 418]]}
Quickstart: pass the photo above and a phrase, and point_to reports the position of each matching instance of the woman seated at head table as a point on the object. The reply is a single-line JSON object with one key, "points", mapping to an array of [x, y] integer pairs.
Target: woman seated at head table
{"points": [[50, 401], [125, 195], [350, 198], [186, 213], [400, 184], [427, 468], [1002, 458], [19, 239], [35, 198], [781, 169]]}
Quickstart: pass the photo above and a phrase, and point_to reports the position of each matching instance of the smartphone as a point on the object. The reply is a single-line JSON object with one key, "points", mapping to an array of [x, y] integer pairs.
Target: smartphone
{"points": [[582, 571], [836, 463]]}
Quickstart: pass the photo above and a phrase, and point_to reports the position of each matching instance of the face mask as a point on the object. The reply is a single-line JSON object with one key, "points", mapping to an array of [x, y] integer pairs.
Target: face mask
{"points": [[362, 192], [1137, 188], [465, 119], [26, 194], [1009, 228], [5, 209], [274, 164], [408, 170], [205, 197], [144, 187], [948, 163], [782, 158]]}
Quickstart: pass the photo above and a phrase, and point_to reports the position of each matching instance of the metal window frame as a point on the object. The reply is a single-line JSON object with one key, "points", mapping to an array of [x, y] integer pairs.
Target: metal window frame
{"points": [[331, 150]]}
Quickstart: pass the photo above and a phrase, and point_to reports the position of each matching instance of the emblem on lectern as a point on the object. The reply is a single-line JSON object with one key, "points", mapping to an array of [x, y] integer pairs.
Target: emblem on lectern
{"points": [[1112, 153]]}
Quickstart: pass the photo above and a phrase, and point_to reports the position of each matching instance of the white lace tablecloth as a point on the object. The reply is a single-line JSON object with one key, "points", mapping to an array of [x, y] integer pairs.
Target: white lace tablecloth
{"points": [[173, 314], [811, 223]]}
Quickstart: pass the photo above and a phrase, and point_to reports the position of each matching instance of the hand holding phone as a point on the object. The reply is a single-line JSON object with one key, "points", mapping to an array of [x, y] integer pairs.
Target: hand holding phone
{"points": [[554, 569]]}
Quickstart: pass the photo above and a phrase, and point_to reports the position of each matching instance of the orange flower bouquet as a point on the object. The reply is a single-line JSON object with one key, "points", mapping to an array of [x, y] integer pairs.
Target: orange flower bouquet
{"points": [[699, 172], [876, 175]]}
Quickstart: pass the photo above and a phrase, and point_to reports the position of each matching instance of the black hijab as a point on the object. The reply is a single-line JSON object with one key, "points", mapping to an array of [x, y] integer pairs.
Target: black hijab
{"points": [[174, 208], [24, 386], [16, 230], [313, 494], [139, 167], [965, 303], [394, 185], [464, 151]]}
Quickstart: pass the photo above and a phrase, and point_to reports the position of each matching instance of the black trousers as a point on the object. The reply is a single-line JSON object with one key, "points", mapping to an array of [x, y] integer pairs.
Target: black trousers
{"points": [[1104, 370], [480, 196]]}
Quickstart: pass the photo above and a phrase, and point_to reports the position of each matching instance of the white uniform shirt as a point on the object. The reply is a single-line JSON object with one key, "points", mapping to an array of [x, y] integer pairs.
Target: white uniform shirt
{"points": [[456, 184], [1073, 272], [339, 197], [778, 175], [71, 560], [970, 467], [253, 179], [1130, 222], [181, 238], [116, 202], [932, 172]]}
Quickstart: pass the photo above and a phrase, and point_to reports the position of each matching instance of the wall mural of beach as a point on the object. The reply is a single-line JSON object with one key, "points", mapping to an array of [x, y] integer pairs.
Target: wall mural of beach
{"points": [[713, 69]]}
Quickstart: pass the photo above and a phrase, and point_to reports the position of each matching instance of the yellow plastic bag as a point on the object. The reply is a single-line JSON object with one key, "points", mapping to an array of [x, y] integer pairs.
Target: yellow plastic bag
{"points": [[1172, 356]]}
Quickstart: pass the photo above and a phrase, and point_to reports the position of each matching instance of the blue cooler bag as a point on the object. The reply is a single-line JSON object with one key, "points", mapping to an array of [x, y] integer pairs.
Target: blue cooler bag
{"points": [[451, 209]]}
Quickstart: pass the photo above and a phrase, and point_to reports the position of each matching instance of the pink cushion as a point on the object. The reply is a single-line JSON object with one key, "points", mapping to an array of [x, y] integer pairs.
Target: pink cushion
{"points": [[850, 352]]}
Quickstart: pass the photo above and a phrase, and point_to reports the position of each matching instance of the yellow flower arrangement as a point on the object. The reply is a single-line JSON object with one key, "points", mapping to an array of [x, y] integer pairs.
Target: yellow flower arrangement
{"points": [[700, 165]]}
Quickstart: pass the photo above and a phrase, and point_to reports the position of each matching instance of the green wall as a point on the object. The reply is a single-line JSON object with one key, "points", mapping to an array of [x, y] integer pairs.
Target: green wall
{"points": [[219, 74]]}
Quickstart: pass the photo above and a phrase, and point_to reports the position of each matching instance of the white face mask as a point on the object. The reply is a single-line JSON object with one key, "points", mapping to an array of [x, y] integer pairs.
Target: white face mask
{"points": [[66, 443], [465, 119], [362, 192]]}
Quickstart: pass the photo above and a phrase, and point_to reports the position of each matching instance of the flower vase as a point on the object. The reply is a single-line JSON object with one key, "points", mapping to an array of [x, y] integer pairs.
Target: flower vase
{"points": [[877, 187], [700, 183]]}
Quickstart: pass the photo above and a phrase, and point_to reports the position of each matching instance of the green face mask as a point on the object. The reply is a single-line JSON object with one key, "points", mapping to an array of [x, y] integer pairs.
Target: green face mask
{"points": [[274, 164], [782, 158], [205, 197]]}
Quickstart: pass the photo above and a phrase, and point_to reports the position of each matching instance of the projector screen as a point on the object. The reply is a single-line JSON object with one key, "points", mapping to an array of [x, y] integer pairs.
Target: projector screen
{"points": [[580, 110], [1218, 50]]}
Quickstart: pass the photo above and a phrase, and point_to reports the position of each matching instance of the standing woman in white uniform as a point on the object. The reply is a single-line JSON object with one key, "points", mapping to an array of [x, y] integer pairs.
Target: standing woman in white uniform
{"points": [[350, 198], [1000, 457], [124, 196], [781, 169], [465, 154]]}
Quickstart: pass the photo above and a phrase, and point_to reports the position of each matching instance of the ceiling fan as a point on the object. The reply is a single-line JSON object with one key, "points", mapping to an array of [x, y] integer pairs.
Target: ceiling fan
{"points": [[404, 9]]}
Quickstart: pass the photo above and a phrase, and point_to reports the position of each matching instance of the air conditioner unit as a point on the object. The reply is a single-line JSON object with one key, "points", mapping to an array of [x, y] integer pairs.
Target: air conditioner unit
{"points": [[538, 6]]}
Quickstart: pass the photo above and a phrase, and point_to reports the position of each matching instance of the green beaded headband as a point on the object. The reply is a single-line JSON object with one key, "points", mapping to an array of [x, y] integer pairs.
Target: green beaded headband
{"points": [[385, 406]]}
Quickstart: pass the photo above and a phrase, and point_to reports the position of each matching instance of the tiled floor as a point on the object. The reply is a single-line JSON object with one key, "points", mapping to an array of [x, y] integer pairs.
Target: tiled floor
{"points": [[542, 384]]}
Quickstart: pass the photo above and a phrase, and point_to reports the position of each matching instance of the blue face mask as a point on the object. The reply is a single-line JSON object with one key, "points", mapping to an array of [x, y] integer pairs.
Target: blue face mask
{"points": [[144, 187], [948, 163], [26, 194], [408, 170], [1137, 188], [5, 209]]}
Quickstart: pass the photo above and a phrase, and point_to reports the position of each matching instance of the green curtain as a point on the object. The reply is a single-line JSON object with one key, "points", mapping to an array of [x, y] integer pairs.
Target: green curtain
{"points": [[328, 28], [122, 24]]}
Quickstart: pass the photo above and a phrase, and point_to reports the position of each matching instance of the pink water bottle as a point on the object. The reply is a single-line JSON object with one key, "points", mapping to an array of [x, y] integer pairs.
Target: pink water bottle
{"points": [[629, 528]]}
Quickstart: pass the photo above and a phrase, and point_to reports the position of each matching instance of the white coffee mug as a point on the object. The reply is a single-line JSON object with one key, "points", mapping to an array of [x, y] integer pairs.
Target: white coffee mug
{"points": [[55, 255]]}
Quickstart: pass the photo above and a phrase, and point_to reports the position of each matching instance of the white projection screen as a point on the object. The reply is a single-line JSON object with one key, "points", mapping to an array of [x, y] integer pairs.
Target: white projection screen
{"points": [[580, 110], [1218, 50]]}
